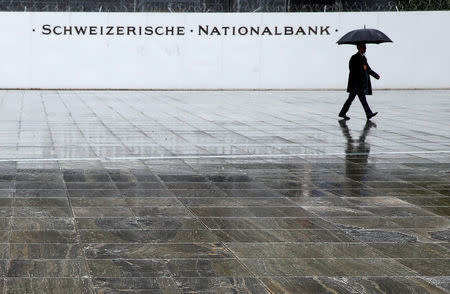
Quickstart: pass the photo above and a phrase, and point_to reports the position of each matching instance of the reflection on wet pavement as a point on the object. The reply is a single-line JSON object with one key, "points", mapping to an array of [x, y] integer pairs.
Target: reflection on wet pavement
{"points": [[223, 192]]}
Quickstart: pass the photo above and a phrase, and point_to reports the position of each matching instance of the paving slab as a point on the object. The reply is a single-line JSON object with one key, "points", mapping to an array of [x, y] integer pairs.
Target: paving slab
{"points": [[223, 192]]}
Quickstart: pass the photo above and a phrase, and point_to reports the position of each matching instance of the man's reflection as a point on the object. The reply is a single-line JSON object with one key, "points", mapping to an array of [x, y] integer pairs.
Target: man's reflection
{"points": [[356, 155]]}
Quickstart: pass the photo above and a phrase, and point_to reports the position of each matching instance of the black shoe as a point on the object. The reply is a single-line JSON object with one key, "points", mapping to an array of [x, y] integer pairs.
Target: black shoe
{"points": [[344, 116], [372, 115]]}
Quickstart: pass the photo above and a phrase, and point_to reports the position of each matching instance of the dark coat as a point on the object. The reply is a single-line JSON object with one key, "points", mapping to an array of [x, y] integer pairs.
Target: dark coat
{"points": [[358, 78]]}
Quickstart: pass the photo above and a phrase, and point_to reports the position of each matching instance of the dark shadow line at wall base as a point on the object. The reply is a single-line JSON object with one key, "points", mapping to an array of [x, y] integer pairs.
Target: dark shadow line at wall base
{"points": [[216, 89]]}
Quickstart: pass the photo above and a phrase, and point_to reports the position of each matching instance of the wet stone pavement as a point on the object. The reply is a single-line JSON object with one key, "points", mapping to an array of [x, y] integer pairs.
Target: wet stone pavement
{"points": [[223, 192]]}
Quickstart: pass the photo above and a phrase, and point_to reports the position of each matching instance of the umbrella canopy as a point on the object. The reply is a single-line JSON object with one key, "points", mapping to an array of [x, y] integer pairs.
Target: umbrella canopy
{"points": [[368, 36]]}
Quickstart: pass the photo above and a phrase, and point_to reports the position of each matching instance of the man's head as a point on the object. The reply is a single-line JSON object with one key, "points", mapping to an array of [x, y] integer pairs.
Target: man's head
{"points": [[361, 48]]}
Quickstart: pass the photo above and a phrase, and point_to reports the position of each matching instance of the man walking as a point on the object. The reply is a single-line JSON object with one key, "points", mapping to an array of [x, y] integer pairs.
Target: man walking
{"points": [[359, 82]]}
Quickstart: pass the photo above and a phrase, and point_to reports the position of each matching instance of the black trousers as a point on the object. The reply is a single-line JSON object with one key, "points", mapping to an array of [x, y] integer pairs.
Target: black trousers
{"points": [[362, 99]]}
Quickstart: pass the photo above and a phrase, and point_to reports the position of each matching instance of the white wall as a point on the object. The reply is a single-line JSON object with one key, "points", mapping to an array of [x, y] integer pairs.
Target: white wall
{"points": [[418, 58]]}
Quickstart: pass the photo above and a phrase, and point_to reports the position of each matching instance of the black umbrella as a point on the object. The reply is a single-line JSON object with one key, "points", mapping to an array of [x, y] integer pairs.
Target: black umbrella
{"points": [[368, 36]]}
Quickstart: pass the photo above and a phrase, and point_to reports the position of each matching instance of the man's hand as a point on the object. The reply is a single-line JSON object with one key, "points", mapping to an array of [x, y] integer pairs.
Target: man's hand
{"points": [[377, 77], [365, 67]]}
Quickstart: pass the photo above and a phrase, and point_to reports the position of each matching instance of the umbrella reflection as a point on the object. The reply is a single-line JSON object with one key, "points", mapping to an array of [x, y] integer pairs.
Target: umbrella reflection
{"points": [[356, 154]]}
